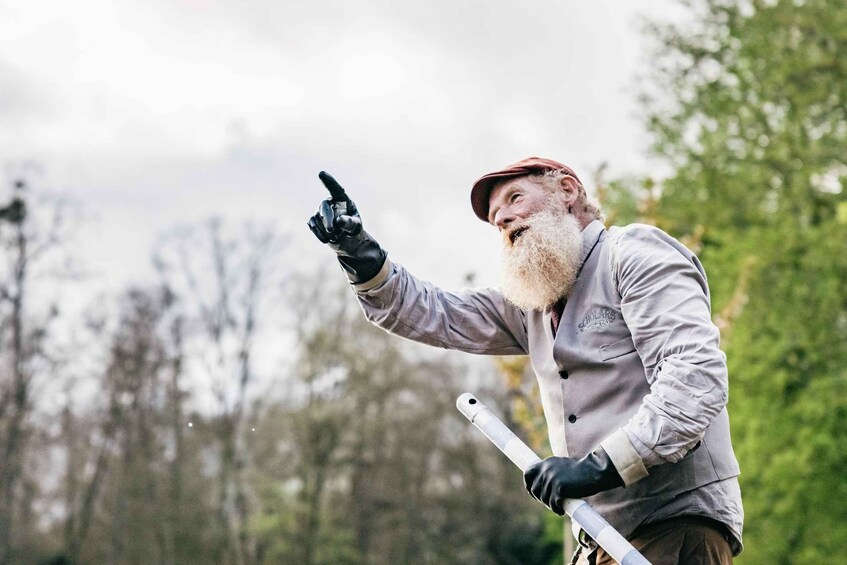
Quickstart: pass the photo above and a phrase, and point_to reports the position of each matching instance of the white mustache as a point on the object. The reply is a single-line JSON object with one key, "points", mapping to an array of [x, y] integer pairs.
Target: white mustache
{"points": [[510, 236]]}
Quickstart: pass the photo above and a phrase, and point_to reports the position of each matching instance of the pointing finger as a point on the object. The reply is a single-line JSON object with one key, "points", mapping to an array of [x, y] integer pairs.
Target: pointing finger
{"points": [[332, 186]]}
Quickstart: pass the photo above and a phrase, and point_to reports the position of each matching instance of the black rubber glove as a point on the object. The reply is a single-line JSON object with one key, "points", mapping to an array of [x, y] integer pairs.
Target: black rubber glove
{"points": [[558, 478], [338, 224]]}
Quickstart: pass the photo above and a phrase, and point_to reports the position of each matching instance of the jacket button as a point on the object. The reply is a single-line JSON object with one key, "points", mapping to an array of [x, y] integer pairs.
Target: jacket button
{"points": [[571, 418], [564, 374]]}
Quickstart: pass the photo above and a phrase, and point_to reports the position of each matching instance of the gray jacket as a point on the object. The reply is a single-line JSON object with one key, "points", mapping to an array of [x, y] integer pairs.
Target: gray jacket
{"points": [[635, 366]]}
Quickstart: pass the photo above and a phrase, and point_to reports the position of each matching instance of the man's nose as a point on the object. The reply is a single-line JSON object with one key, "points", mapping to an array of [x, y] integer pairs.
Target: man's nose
{"points": [[503, 218]]}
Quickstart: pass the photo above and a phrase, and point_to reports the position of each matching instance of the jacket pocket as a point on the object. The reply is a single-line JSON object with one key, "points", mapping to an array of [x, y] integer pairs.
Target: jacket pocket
{"points": [[617, 349]]}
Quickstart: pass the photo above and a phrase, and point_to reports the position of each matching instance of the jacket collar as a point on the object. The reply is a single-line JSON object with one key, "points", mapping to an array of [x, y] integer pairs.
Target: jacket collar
{"points": [[590, 236]]}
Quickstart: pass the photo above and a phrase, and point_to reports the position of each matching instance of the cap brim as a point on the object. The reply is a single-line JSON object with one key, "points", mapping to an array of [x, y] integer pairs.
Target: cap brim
{"points": [[481, 191]]}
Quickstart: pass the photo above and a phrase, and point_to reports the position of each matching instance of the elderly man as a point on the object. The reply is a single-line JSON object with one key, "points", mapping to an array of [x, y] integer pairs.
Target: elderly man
{"points": [[618, 329]]}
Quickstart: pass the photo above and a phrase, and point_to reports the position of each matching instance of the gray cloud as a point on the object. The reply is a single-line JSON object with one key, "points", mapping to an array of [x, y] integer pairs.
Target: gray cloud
{"points": [[174, 111]]}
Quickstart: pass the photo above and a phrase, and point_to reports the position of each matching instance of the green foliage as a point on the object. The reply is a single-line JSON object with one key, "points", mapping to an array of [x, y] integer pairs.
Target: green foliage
{"points": [[749, 110], [555, 530]]}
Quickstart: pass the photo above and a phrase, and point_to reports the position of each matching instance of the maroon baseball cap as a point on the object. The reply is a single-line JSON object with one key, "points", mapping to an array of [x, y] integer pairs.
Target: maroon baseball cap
{"points": [[481, 190]]}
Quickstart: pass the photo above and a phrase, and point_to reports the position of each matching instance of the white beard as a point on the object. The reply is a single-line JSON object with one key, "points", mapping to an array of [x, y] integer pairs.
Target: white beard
{"points": [[540, 267]]}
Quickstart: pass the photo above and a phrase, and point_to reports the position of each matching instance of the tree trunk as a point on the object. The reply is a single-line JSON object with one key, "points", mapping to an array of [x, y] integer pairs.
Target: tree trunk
{"points": [[15, 439]]}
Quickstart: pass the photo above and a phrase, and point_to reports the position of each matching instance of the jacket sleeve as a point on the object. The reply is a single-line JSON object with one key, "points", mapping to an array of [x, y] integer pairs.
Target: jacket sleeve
{"points": [[472, 320], [665, 303]]}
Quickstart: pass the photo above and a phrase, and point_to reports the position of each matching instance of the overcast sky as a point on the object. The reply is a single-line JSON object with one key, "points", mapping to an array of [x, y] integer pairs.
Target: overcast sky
{"points": [[156, 113]]}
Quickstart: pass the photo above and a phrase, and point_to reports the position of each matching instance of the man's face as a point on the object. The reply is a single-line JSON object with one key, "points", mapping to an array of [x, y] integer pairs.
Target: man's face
{"points": [[516, 199], [542, 242]]}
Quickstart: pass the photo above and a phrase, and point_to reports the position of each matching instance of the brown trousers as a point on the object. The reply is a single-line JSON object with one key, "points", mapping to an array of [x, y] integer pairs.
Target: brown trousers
{"points": [[688, 540]]}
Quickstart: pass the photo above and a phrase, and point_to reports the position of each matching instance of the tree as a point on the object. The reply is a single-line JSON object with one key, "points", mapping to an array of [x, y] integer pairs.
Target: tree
{"points": [[31, 229], [367, 460], [136, 482], [747, 106], [221, 277]]}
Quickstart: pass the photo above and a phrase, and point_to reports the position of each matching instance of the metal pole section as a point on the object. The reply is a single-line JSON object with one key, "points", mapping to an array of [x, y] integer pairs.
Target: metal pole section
{"points": [[521, 455]]}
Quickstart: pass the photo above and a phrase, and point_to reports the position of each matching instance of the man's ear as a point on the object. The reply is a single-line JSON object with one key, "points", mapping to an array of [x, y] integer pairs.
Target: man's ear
{"points": [[571, 189]]}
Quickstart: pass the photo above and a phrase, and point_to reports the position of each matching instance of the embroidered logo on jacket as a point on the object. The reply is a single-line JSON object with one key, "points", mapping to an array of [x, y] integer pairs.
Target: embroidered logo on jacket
{"points": [[597, 319]]}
